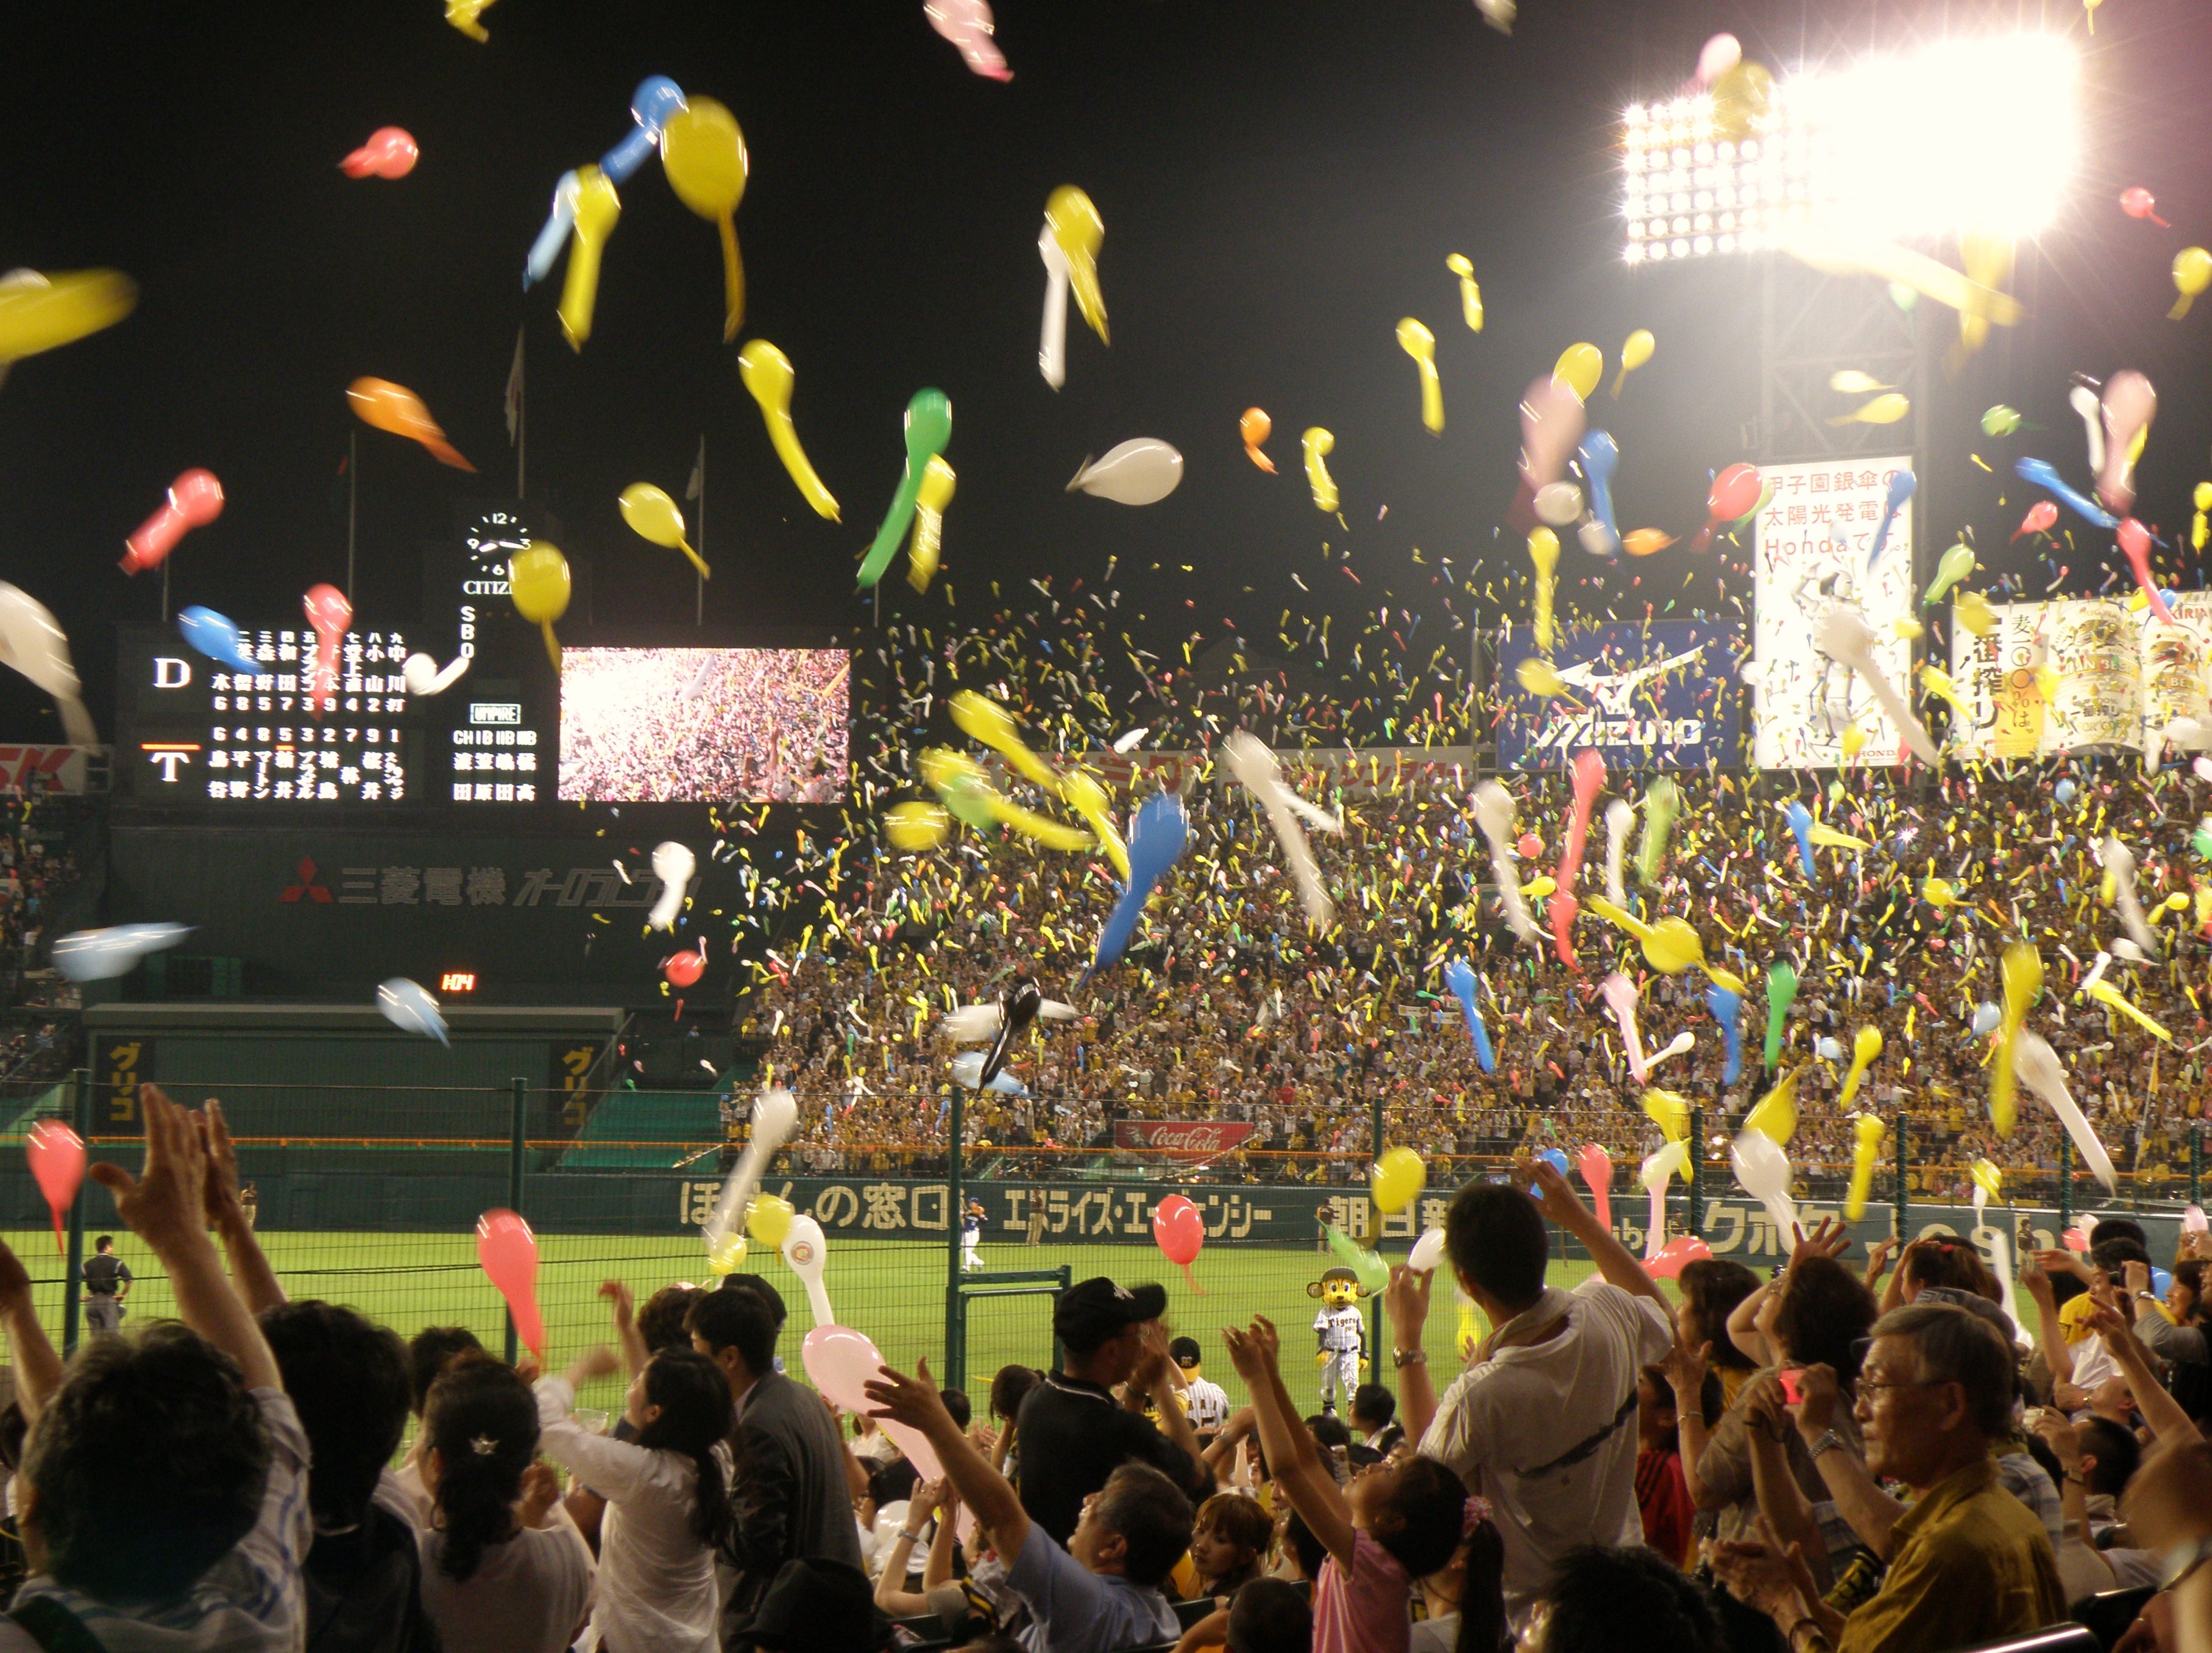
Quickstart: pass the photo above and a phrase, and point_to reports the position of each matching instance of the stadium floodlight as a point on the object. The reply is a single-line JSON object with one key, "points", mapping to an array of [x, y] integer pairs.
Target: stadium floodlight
{"points": [[1977, 136]]}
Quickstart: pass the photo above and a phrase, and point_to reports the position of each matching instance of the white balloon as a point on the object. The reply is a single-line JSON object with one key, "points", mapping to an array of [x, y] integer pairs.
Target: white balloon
{"points": [[103, 955], [1558, 503], [1987, 1017], [805, 1251], [1763, 1170], [1141, 471], [408, 1006], [423, 679], [1721, 53], [32, 641], [1428, 1251], [674, 865], [1052, 342]]}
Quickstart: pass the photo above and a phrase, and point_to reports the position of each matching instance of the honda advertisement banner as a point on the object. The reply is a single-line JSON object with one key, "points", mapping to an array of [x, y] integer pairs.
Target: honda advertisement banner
{"points": [[1659, 694]]}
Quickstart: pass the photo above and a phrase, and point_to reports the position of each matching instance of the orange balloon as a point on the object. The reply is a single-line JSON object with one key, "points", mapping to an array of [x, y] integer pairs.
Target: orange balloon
{"points": [[1642, 542], [384, 405], [1256, 427]]}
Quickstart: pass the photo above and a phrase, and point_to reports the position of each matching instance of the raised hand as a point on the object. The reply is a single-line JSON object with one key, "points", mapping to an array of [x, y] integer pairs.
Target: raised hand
{"points": [[166, 1204]]}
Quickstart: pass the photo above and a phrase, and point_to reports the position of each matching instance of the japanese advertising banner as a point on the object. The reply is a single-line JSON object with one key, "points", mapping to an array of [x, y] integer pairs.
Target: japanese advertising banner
{"points": [[1659, 695], [1813, 548], [2085, 673]]}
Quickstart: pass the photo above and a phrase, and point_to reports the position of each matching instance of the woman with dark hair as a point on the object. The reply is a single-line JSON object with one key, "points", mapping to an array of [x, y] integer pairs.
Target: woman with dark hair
{"points": [[1711, 1287], [504, 1570], [1008, 1390], [1941, 1260], [1815, 1315], [667, 1493]]}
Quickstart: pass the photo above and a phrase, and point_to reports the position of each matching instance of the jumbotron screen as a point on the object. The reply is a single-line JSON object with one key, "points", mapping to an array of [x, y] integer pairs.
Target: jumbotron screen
{"points": [[673, 725]]}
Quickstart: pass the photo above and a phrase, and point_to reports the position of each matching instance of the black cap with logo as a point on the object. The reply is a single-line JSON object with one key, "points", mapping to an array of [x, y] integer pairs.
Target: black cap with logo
{"points": [[1093, 1310]]}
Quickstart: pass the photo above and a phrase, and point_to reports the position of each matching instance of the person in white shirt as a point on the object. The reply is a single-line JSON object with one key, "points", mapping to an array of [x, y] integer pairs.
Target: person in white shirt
{"points": [[504, 1569], [667, 1493], [1206, 1400], [1543, 1422]]}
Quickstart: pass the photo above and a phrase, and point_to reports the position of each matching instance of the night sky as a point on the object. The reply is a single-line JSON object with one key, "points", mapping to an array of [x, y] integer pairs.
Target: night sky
{"points": [[1280, 181]]}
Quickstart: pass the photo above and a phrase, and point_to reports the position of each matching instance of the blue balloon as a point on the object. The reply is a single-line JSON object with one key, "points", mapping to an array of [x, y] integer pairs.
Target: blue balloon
{"points": [[1900, 490], [545, 250], [1801, 822], [1726, 1006], [2045, 475], [2063, 791], [1157, 837], [1459, 976], [1600, 456], [656, 99], [218, 638], [2160, 1281]]}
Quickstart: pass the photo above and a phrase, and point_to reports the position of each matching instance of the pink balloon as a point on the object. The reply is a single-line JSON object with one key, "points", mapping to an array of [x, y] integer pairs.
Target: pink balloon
{"points": [[1597, 1167], [969, 25], [2074, 1240], [1180, 1231], [2039, 517], [391, 152], [1552, 423], [2137, 203], [1681, 1249], [195, 500], [1529, 847], [1590, 778], [508, 1251], [1722, 53], [2192, 1220], [838, 1361], [2135, 544], [57, 1157], [330, 613]]}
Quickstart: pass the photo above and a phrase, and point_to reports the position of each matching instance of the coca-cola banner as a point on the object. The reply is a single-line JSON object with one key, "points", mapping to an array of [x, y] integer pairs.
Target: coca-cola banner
{"points": [[1183, 1139]]}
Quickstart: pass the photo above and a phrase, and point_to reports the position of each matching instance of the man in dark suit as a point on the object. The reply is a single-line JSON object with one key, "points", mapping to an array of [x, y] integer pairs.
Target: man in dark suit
{"points": [[790, 1493]]}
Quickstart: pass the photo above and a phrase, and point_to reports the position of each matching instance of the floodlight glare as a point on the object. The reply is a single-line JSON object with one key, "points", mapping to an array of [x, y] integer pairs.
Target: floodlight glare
{"points": [[1975, 136]]}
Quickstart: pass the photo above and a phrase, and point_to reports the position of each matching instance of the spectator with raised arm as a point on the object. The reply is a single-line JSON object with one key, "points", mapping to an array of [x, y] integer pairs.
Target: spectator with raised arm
{"points": [[1543, 1422], [163, 1498]]}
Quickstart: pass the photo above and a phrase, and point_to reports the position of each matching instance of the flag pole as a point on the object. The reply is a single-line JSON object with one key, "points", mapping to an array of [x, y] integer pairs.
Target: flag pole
{"points": [[699, 580]]}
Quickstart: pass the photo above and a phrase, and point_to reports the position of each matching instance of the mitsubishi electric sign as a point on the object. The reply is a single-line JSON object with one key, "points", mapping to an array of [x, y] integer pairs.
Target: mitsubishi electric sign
{"points": [[1657, 695]]}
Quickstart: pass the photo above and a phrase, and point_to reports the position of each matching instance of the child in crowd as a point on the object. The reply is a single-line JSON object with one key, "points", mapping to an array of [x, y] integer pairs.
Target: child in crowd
{"points": [[1229, 1542], [1662, 1495], [1387, 1529]]}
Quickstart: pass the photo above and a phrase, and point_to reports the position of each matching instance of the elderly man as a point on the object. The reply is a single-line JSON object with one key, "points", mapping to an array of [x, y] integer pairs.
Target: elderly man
{"points": [[1968, 1562]]}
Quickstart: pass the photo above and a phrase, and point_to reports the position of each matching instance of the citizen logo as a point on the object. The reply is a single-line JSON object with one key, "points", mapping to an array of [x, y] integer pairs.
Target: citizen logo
{"points": [[484, 587]]}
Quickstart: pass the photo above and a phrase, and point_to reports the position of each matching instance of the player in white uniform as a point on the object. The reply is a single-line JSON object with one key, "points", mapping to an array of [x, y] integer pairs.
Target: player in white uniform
{"points": [[1206, 1400], [1342, 1329], [971, 1236]]}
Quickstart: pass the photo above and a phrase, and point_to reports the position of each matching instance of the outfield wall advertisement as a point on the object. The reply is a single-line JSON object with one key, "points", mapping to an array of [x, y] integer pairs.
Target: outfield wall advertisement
{"points": [[1659, 694]]}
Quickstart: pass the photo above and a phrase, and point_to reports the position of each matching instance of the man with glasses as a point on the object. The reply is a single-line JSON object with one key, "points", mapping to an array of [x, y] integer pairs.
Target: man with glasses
{"points": [[1968, 1562]]}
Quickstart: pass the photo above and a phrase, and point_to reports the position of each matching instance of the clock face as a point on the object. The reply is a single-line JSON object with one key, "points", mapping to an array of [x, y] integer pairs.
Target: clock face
{"points": [[490, 540]]}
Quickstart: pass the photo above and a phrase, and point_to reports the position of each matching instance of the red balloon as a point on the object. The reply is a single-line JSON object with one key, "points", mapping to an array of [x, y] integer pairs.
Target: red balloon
{"points": [[195, 500], [1180, 1231], [2135, 542], [2038, 520], [1529, 847], [2136, 201], [1735, 493], [391, 152], [683, 969], [57, 1157], [330, 613], [1683, 1249], [508, 1251]]}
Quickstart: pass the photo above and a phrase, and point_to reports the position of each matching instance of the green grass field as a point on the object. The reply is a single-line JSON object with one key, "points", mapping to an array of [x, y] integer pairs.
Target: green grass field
{"points": [[893, 1290]]}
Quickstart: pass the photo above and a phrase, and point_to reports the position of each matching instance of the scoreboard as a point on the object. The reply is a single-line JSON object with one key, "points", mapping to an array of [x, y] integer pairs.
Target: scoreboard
{"points": [[198, 731]]}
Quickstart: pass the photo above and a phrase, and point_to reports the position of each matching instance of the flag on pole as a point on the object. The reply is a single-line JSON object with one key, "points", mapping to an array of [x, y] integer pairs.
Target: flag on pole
{"points": [[514, 392], [698, 483]]}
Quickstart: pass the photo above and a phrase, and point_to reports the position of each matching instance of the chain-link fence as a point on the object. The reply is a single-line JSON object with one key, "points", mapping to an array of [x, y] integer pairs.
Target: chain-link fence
{"points": [[368, 1195]]}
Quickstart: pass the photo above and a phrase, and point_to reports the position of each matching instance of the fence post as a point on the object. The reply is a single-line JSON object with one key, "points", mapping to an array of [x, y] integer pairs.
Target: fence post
{"points": [[1375, 1328], [2065, 1181], [1900, 1196], [520, 1088], [73, 1264], [1697, 1172], [956, 1341]]}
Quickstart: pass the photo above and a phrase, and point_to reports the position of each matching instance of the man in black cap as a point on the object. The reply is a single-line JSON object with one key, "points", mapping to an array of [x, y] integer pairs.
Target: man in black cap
{"points": [[1073, 1433]]}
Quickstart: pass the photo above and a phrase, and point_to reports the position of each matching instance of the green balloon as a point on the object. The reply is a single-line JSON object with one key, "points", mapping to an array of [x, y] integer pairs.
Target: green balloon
{"points": [[1373, 1274], [928, 431], [2201, 842], [1781, 988], [2000, 420], [1662, 802]]}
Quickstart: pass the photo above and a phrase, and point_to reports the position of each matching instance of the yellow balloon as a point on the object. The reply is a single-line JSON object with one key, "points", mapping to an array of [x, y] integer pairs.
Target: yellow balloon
{"points": [[1776, 1115], [1540, 887], [984, 720], [1869, 1131], [1398, 1175], [1937, 893], [703, 153], [1579, 367], [930, 499], [598, 208], [1543, 551], [1635, 351], [538, 580], [2192, 270], [724, 1260], [1088, 799], [767, 1218], [1319, 444], [1541, 676], [1973, 611], [1987, 1177], [1674, 946], [653, 515], [41, 312], [1882, 410], [916, 825], [1865, 1048], [1470, 293], [1415, 339], [1669, 1111], [1079, 232], [767, 373]]}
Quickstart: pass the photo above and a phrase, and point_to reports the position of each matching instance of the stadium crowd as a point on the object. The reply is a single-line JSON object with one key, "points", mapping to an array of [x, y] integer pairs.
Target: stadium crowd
{"points": [[1232, 1007], [1845, 1456]]}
